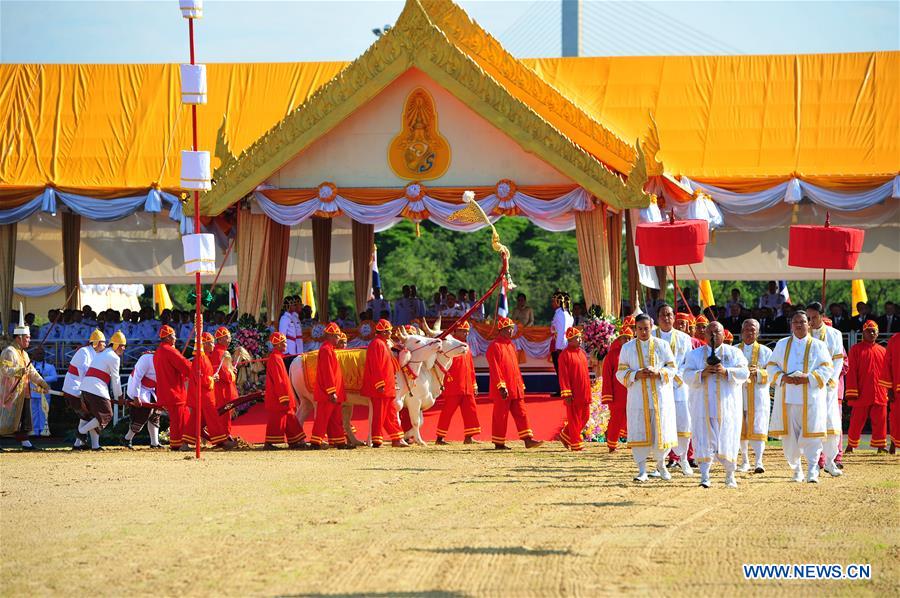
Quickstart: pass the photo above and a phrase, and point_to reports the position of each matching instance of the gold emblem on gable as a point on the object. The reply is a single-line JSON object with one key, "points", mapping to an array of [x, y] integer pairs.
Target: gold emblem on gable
{"points": [[419, 152]]}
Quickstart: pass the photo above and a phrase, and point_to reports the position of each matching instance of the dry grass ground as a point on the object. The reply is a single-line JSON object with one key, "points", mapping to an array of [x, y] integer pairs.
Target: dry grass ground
{"points": [[461, 521]]}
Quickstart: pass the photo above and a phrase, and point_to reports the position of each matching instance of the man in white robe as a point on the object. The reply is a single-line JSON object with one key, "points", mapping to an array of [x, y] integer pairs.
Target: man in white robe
{"points": [[757, 403], [647, 370], [680, 344], [834, 340], [716, 373], [799, 369]]}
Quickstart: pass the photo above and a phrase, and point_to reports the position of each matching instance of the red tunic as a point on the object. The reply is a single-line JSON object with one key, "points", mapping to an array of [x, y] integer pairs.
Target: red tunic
{"points": [[574, 379], [329, 378], [380, 371], [890, 371], [202, 366], [503, 363], [279, 393], [225, 388], [172, 370], [865, 362], [613, 390], [460, 380]]}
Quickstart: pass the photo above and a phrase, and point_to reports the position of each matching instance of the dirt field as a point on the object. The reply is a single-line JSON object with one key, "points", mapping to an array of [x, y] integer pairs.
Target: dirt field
{"points": [[461, 521]]}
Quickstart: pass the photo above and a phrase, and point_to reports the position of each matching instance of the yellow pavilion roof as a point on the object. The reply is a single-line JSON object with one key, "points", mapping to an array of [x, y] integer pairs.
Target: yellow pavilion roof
{"points": [[740, 121]]}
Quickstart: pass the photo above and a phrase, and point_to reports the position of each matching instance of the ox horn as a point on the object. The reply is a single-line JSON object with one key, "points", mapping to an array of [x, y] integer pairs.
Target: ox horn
{"points": [[437, 326], [426, 328]]}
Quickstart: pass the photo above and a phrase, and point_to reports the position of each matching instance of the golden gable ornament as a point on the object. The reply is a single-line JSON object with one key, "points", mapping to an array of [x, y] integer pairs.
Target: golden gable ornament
{"points": [[419, 152]]}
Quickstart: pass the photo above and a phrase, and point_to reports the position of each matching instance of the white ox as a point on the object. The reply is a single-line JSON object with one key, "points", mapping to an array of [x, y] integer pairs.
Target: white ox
{"points": [[425, 363]]}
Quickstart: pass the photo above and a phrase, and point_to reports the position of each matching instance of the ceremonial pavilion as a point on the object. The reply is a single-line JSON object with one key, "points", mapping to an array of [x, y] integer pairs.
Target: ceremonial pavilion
{"points": [[311, 159]]}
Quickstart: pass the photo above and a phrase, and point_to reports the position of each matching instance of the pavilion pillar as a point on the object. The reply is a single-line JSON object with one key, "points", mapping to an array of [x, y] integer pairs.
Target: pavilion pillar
{"points": [[363, 242], [7, 273], [321, 228], [279, 242], [252, 256], [634, 285], [71, 246], [614, 253], [593, 261]]}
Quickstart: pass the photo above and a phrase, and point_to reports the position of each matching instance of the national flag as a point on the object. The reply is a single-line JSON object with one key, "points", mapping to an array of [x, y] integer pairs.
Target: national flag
{"points": [[502, 309], [706, 294], [161, 298], [376, 278], [232, 297], [857, 294], [783, 291], [308, 297]]}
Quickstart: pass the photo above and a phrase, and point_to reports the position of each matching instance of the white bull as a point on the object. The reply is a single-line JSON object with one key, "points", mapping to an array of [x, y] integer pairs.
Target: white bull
{"points": [[427, 359]]}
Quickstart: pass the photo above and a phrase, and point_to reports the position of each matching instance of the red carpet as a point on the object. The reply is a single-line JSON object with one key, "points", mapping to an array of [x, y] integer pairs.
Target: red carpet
{"points": [[545, 415]]}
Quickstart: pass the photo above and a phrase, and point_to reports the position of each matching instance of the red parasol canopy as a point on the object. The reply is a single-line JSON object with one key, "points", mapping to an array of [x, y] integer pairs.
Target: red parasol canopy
{"points": [[672, 243], [825, 247]]}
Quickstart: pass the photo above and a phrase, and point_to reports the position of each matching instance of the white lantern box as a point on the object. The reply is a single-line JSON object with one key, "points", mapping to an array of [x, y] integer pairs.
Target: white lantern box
{"points": [[199, 253], [191, 9], [195, 171], [193, 83]]}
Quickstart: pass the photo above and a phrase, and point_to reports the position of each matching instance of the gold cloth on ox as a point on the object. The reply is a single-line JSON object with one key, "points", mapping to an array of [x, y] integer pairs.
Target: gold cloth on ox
{"points": [[351, 361]]}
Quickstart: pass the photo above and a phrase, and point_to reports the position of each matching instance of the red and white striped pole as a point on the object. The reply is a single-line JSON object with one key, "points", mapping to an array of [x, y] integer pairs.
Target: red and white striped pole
{"points": [[195, 175]]}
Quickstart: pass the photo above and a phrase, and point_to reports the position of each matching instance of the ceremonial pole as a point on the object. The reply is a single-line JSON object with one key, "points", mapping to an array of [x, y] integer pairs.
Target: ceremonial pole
{"points": [[199, 249]]}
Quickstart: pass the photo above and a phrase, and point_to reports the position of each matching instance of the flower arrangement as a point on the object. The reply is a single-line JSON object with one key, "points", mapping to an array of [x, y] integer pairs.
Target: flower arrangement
{"points": [[252, 336], [595, 429], [599, 331]]}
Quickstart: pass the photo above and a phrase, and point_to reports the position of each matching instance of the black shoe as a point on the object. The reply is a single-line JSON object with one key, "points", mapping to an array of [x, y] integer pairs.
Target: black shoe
{"points": [[99, 448], [759, 470], [270, 447], [839, 465], [501, 447], [346, 447], [31, 448], [156, 446], [315, 447], [692, 463]]}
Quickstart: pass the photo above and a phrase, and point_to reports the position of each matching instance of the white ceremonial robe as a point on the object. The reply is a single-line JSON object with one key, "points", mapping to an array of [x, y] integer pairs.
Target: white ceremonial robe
{"points": [[757, 402], [286, 327], [799, 412], [680, 344], [833, 425], [298, 333], [107, 362], [716, 404], [650, 406]]}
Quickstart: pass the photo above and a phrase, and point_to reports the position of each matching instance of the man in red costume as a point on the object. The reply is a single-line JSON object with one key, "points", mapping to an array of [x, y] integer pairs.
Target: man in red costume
{"points": [[172, 371], [460, 388], [202, 373], [224, 375], [329, 394], [890, 379], [613, 393], [575, 390], [507, 388], [378, 384], [700, 324], [867, 397], [281, 406]]}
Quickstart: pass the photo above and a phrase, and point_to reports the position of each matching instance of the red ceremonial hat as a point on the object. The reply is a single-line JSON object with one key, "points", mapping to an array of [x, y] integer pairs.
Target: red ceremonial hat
{"points": [[222, 332], [870, 324], [626, 331], [165, 331], [683, 317], [828, 322], [342, 336], [572, 332], [333, 329], [504, 322], [383, 326], [207, 338], [701, 320], [672, 243], [729, 338], [464, 325], [628, 321], [277, 338]]}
